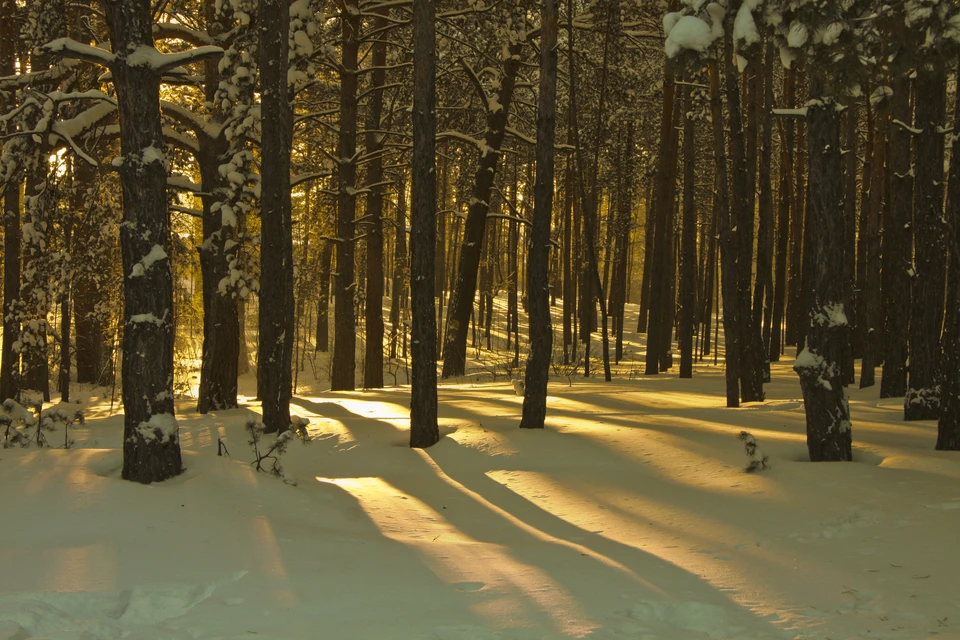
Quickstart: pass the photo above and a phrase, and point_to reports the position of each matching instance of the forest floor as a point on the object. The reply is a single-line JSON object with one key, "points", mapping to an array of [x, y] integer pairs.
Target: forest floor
{"points": [[628, 517]]}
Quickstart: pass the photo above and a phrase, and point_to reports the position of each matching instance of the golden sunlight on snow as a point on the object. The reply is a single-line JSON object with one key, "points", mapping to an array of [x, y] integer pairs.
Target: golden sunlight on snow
{"points": [[463, 561]]}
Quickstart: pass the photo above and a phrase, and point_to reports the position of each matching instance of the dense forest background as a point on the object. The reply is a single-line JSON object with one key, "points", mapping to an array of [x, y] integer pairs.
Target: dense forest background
{"points": [[194, 189]]}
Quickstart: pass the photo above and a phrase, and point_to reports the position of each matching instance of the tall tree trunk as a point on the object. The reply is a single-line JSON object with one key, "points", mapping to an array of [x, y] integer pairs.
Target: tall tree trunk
{"points": [[787, 141], [897, 233], [461, 299], [151, 442], [622, 233], [728, 250], [763, 292], [868, 311], [10, 358], [65, 321], [661, 258], [221, 326], [373, 320], [323, 298], [751, 356], [538, 294], [948, 427], [343, 372], [796, 311], [398, 300], [688, 242], [649, 231], [276, 245], [818, 365], [424, 431], [922, 401], [569, 277]]}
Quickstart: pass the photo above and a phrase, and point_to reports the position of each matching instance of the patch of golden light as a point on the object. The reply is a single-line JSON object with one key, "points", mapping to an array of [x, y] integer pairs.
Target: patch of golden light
{"points": [[270, 559], [515, 587], [475, 436], [700, 545], [501, 405], [362, 407], [941, 466], [88, 568]]}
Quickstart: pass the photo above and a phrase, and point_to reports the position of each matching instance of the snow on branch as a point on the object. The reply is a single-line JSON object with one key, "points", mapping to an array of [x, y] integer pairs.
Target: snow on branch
{"points": [[174, 31], [906, 127], [183, 183], [456, 135], [148, 56], [520, 136], [307, 177], [790, 113], [475, 79], [69, 48], [189, 119]]}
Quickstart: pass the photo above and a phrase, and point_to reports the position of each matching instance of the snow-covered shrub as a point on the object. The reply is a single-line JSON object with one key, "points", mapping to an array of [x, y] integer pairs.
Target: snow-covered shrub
{"points": [[758, 458], [256, 429]]}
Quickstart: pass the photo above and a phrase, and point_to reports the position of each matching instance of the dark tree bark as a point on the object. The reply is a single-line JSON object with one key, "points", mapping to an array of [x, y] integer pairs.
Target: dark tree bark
{"points": [[424, 431], [922, 401], [151, 443], [538, 286], [868, 310], [818, 365], [728, 250], [221, 325], [660, 257], [10, 364], [948, 427], [65, 322], [569, 276], [796, 312], [751, 356], [373, 317], [343, 371], [897, 234], [323, 299], [397, 288], [787, 142], [763, 291], [688, 242], [621, 226], [461, 299], [649, 231], [276, 244]]}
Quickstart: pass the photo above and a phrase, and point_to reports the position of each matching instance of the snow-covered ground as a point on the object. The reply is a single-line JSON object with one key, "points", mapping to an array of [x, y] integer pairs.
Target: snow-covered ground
{"points": [[629, 517]]}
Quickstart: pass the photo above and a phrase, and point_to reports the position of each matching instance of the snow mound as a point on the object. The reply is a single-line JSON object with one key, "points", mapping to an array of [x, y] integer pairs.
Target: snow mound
{"points": [[104, 615]]}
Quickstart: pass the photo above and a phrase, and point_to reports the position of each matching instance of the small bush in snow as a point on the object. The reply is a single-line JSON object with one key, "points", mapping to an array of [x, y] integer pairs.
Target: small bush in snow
{"points": [[53, 418], [256, 429], [15, 421], [758, 459]]}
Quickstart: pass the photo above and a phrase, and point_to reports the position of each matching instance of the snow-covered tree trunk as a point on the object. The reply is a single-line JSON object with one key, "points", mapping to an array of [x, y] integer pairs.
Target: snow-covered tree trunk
{"points": [[818, 365], [897, 238], [274, 359], [538, 285], [922, 400], [9, 357], [424, 431], [151, 443]]}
